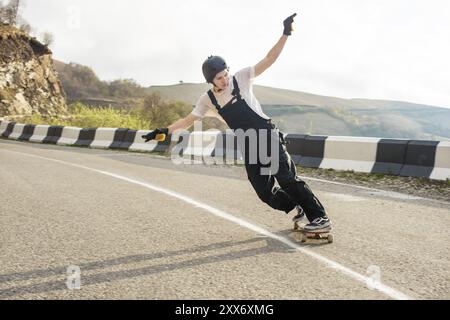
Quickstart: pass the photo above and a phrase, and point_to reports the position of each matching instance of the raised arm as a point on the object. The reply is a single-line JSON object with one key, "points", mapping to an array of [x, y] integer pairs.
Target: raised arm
{"points": [[274, 53]]}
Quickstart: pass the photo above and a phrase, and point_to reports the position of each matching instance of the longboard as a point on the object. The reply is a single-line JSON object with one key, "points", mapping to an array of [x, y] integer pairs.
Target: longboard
{"points": [[324, 234]]}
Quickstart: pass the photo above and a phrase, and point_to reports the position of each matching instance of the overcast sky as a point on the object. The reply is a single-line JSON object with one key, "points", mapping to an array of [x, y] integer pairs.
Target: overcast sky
{"points": [[377, 49]]}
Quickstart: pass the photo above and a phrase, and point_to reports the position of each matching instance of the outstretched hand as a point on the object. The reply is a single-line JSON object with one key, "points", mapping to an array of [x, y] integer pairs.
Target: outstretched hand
{"points": [[155, 133], [288, 25]]}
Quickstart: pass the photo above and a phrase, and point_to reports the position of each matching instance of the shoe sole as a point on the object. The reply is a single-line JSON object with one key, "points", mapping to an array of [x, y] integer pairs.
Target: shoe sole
{"points": [[321, 228]]}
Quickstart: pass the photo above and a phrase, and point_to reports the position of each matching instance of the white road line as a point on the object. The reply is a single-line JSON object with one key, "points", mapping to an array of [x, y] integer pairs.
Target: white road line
{"points": [[391, 292], [343, 197]]}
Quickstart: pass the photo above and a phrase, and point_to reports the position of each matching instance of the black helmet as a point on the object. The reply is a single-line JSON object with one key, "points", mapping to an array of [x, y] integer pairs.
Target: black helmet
{"points": [[212, 66]]}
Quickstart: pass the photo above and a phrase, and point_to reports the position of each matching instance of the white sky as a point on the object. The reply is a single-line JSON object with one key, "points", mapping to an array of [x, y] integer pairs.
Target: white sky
{"points": [[377, 49]]}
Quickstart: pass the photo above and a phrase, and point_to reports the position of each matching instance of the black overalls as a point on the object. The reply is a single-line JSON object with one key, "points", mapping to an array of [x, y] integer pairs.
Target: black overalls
{"points": [[238, 115]]}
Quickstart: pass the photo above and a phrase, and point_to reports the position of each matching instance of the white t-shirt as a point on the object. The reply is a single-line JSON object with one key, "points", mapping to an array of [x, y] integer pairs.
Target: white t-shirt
{"points": [[244, 78]]}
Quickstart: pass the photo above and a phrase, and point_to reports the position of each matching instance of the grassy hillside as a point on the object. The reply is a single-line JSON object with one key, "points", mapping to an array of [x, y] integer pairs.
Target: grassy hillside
{"points": [[293, 111]]}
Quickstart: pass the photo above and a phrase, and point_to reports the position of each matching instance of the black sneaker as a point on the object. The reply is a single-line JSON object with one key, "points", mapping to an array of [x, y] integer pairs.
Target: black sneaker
{"points": [[318, 224], [300, 216]]}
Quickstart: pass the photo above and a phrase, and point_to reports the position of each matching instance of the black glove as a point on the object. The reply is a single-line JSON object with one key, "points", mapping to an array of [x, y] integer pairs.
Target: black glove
{"points": [[288, 25], [152, 135]]}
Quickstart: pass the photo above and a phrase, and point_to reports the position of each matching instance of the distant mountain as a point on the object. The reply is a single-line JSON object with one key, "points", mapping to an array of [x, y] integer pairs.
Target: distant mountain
{"points": [[301, 112], [293, 111], [190, 92]]}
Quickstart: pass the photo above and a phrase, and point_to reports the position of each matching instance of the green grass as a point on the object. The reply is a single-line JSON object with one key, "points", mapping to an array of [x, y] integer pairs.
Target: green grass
{"points": [[83, 116]]}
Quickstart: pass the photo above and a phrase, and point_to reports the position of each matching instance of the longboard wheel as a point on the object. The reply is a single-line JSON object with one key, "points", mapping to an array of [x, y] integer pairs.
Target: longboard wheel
{"points": [[330, 238]]}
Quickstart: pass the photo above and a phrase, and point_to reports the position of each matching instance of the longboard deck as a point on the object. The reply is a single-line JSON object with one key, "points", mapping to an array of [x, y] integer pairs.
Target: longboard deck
{"points": [[324, 234]]}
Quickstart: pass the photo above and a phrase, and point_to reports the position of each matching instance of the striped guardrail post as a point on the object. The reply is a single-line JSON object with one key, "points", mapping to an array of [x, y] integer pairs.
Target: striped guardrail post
{"points": [[128, 139], [420, 158], [8, 129], [39, 133], [69, 136], [27, 132], [85, 138], [390, 156], [441, 169], [349, 153], [16, 131], [53, 134], [312, 151], [119, 138], [295, 146], [103, 138]]}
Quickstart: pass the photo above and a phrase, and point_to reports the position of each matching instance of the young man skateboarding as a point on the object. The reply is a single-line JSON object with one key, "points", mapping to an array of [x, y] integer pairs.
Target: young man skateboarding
{"points": [[231, 99]]}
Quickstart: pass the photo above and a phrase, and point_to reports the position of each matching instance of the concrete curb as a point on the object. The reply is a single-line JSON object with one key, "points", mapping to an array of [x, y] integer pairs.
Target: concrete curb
{"points": [[415, 158]]}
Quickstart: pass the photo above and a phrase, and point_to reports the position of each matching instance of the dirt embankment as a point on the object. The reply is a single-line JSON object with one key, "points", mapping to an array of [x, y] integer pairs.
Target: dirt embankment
{"points": [[28, 81]]}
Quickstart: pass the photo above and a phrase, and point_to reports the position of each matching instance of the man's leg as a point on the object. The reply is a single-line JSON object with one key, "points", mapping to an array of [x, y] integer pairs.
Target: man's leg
{"points": [[296, 188], [266, 190]]}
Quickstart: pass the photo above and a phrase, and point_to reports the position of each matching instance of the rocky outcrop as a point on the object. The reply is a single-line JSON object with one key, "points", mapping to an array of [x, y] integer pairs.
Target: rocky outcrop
{"points": [[28, 81]]}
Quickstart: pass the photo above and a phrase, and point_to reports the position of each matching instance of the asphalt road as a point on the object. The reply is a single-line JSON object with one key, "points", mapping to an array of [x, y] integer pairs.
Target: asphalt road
{"points": [[139, 227]]}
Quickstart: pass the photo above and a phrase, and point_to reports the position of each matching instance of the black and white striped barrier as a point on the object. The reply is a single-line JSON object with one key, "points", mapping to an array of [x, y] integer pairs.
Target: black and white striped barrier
{"points": [[415, 158], [349, 153], [99, 138], [409, 158], [441, 166], [39, 133], [69, 136], [210, 147], [6, 128]]}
